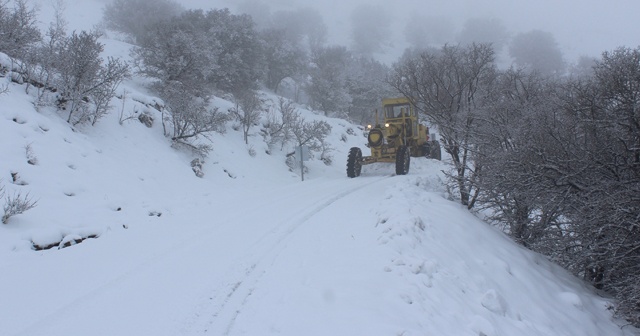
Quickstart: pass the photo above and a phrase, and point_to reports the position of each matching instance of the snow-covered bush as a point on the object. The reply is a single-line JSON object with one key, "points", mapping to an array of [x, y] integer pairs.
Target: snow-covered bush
{"points": [[71, 65], [84, 79], [18, 28], [285, 57], [203, 50], [328, 79]]}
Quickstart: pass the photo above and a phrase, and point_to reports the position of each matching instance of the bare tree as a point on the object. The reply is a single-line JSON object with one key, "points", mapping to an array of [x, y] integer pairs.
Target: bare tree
{"points": [[561, 170], [248, 110], [450, 87], [288, 127], [191, 116], [45, 59], [311, 134], [110, 76], [605, 176], [277, 128], [506, 133]]}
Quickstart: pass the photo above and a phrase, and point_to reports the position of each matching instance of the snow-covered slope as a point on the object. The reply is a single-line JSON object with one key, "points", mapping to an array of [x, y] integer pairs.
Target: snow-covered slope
{"points": [[249, 249]]}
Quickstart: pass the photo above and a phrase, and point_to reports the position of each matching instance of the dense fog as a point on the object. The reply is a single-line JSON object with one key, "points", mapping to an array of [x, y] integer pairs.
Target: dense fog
{"points": [[581, 28]]}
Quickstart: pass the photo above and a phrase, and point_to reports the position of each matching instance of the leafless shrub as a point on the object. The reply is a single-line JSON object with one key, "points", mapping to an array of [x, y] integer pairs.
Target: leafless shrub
{"points": [[16, 204], [276, 128], [191, 116], [247, 110]]}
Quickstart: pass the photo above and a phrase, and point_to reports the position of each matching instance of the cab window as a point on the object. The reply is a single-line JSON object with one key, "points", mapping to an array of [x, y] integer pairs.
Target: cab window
{"points": [[395, 111]]}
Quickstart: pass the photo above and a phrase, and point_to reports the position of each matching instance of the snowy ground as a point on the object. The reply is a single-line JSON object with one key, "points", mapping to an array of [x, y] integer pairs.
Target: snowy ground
{"points": [[250, 249]]}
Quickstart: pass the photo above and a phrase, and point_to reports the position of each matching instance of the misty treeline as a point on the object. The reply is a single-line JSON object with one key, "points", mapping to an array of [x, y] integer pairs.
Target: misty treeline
{"points": [[218, 52], [195, 55], [65, 69], [191, 57], [554, 161]]}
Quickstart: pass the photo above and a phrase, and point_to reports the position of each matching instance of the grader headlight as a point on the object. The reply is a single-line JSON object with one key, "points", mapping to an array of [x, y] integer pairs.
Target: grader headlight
{"points": [[392, 130]]}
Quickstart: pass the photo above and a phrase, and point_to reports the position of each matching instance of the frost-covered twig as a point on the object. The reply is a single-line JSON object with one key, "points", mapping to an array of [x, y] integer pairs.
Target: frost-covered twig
{"points": [[17, 204]]}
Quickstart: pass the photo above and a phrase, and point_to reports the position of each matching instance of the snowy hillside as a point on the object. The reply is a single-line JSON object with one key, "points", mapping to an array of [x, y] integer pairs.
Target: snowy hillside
{"points": [[250, 249], [126, 240]]}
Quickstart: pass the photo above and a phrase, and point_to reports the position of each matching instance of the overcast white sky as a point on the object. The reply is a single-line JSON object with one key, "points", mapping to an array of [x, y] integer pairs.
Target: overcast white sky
{"points": [[581, 27]]}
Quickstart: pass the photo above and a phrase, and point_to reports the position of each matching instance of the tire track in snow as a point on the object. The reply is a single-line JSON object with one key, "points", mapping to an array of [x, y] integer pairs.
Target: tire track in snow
{"points": [[156, 258], [219, 318], [234, 291]]}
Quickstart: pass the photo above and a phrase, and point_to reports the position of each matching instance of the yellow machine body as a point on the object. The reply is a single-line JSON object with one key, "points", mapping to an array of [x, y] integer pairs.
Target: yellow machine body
{"points": [[400, 127], [399, 137]]}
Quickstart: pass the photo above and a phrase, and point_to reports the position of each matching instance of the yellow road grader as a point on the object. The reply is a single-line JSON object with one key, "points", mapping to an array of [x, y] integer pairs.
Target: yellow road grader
{"points": [[397, 139]]}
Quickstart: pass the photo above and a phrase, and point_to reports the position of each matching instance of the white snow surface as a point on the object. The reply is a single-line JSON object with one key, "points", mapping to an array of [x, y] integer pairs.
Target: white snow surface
{"points": [[250, 249]]}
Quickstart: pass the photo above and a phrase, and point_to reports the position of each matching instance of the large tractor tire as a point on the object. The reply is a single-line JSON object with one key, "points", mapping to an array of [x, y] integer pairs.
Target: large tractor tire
{"points": [[403, 160], [354, 162], [434, 150]]}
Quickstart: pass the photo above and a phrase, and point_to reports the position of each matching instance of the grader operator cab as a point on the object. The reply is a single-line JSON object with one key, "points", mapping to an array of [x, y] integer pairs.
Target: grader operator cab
{"points": [[397, 139]]}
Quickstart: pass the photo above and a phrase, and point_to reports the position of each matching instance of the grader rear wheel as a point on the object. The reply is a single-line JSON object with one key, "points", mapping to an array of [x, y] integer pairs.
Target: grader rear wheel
{"points": [[354, 162]]}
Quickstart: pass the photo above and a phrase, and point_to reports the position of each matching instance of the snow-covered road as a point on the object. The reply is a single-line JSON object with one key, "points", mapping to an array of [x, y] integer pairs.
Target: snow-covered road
{"points": [[201, 266], [375, 255]]}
